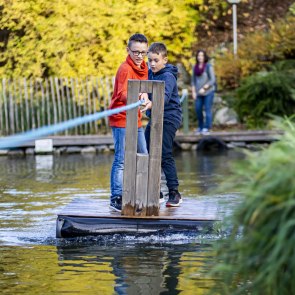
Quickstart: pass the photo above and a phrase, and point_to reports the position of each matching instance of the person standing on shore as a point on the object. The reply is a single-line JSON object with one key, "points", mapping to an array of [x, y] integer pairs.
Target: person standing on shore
{"points": [[203, 89]]}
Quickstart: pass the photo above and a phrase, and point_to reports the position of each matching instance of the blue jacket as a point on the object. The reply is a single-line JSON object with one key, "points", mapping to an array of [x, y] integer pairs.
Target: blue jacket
{"points": [[172, 107]]}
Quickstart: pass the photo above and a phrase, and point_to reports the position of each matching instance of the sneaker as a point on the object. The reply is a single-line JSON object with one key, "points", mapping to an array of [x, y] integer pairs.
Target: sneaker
{"points": [[116, 204], [174, 199], [198, 131], [161, 200], [205, 131]]}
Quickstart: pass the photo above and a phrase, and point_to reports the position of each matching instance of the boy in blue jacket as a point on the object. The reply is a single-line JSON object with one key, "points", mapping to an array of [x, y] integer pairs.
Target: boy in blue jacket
{"points": [[159, 70]]}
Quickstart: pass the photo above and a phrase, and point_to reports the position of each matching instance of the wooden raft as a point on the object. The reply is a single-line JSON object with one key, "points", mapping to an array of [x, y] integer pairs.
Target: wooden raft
{"points": [[84, 217], [141, 212]]}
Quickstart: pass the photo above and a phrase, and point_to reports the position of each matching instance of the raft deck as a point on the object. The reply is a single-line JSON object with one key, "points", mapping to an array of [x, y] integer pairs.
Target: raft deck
{"points": [[84, 217]]}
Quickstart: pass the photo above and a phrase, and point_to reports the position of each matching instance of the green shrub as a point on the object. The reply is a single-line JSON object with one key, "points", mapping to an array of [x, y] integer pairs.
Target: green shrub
{"points": [[267, 93], [262, 259]]}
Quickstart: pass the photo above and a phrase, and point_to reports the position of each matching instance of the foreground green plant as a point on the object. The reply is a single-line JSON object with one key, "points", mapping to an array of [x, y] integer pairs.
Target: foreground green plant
{"points": [[259, 255]]}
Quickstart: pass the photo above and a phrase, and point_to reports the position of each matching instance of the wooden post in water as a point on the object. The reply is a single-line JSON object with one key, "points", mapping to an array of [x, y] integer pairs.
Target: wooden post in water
{"points": [[155, 150], [142, 173], [129, 179]]}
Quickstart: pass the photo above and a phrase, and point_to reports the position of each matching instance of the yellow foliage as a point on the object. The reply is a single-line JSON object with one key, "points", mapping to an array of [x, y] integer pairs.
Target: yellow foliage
{"points": [[80, 38]]}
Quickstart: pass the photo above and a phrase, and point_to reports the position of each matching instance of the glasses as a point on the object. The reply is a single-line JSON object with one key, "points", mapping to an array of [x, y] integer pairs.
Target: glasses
{"points": [[137, 53]]}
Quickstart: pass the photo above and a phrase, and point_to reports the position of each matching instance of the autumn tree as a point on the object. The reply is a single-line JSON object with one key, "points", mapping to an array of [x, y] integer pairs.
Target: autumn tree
{"points": [[40, 38]]}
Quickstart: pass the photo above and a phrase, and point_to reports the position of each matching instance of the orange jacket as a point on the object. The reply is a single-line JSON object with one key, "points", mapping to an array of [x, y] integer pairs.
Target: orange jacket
{"points": [[127, 70]]}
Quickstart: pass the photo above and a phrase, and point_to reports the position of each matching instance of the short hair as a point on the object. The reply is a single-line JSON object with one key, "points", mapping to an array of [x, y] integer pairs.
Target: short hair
{"points": [[158, 48], [206, 57], [137, 38]]}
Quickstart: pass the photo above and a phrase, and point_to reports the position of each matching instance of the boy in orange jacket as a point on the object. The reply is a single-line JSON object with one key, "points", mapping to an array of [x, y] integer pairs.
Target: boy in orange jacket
{"points": [[133, 68]]}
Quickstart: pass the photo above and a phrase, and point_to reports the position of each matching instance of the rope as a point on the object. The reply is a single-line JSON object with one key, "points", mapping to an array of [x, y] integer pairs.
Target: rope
{"points": [[16, 140]]}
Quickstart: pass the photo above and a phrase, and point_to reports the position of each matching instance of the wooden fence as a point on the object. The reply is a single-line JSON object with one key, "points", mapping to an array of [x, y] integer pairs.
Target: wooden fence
{"points": [[27, 104]]}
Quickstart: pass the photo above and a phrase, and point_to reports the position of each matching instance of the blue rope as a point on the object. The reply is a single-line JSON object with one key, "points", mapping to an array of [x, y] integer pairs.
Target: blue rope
{"points": [[16, 140]]}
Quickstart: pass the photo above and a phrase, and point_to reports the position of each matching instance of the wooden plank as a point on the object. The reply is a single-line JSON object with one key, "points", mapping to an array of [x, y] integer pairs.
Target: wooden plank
{"points": [[63, 102], [59, 106], [84, 140], [146, 86], [93, 217], [47, 102], [74, 102], [16, 111], [28, 126], [155, 148], [96, 102], [37, 98], [21, 106], [93, 101], [43, 111], [105, 103], [84, 103], [190, 209], [11, 107], [32, 104], [79, 106], [129, 179], [142, 164], [69, 100], [5, 105], [228, 137], [91, 127], [55, 115], [108, 92]]}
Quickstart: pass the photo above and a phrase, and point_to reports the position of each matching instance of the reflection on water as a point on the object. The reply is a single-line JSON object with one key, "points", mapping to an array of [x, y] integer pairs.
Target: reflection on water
{"points": [[34, 189], [128, 269], [44, 165], [201, 172], [139, 269]]}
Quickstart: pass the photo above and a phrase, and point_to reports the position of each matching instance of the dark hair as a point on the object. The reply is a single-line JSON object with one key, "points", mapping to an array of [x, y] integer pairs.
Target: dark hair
{"points": [[137, 38], [158, 48], [205, 56]]}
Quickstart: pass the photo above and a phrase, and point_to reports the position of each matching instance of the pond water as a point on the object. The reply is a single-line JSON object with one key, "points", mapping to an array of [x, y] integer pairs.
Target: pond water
{"points": [[34, 188]]}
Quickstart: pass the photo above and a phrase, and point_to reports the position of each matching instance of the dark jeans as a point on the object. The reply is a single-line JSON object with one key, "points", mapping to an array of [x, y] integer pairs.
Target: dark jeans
{"points": [[201, 102], [167, 163]]}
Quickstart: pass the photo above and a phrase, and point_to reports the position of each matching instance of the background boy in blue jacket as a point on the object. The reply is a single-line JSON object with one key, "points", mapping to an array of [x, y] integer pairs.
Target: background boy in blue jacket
{"points": [[159, 70]]}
